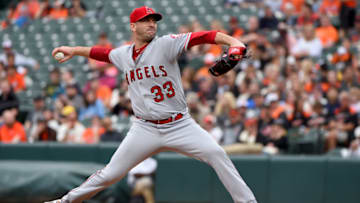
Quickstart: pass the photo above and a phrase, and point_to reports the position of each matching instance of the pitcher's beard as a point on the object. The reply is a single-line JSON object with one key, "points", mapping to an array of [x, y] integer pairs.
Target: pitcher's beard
{"points": [[149, 38]]}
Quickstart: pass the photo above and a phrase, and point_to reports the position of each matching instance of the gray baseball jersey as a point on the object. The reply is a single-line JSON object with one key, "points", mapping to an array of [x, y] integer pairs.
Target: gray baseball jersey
{"points": [[154, 77]]}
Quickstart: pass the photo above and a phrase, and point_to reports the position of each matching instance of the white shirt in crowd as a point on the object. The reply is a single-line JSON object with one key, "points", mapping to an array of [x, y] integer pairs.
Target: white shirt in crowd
{"points": [[313, 47]]}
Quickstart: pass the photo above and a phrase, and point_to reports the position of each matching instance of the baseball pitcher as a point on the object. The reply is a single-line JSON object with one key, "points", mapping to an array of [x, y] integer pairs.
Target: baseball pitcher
{"points": [[163, 123]]}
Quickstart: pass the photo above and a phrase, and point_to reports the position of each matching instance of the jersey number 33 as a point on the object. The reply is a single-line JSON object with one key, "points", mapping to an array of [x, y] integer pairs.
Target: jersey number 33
{"points": [[167, 87]]}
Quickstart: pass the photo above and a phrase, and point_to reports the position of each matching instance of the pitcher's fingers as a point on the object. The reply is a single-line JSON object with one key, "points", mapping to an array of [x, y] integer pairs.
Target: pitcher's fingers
{"points": [[65, 59], [55, 51]]}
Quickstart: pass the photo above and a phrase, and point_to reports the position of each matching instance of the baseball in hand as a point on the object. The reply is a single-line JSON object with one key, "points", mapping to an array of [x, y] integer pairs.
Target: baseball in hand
{"points": [[59, 55]]}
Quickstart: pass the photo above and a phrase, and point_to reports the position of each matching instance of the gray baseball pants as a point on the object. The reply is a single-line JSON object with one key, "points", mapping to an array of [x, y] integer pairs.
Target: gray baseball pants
{"points": [[145, 139]]}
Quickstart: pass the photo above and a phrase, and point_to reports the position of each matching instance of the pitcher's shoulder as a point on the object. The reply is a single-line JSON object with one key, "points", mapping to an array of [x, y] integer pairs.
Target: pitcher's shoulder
{"points": [[173, 36], [122, 48]]}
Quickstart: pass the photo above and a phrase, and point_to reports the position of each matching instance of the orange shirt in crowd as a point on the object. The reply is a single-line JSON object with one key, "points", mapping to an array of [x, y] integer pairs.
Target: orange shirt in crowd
{"points": [[103, 93], [32, 8], [203, 72], [17, 82], [238, 32], [330, 7], [296, 3], [215, 50], [275, 113], [59, 13], [89, 135], [350, 3], [10, 134], [327, 35]]}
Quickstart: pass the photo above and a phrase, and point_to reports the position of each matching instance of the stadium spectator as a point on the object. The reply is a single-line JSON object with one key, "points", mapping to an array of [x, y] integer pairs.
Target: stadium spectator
{"points": [[235, 29], [35, 114], [249, 135], [24, 11], [252, 34], [275, 5], [2, 71], [122, 88], [19, 59], [330, 7], [12, 131], [277, 141], [110, 134], [15, 79], [207, 91], [347, 14], [53, 88], [44, 9], [122, 108], [344, 55], [8, 99], [268, 21], [349, 80], [77, 9], [309, 45], [58, 10], [226, 84], [68, 79], [342, 124], [230, 3], [71, 130], [50, 119], [187, 78], [102, 92], [209, 124], [326, 32], [71, 97], [296, 4], [290, 16], [197, 110], [307, 16], [42, 131], [92, 134], [233, 124], [225, 104], [354, 149], [93, 107]]}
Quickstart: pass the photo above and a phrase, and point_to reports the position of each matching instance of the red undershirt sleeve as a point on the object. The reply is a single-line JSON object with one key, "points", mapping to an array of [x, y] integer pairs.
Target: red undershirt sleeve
{"points": [[100, 54], [202, 37]]}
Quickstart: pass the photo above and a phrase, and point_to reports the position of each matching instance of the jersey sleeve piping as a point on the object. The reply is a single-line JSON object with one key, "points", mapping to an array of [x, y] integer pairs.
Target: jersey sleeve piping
{"points": [[187, 41]]}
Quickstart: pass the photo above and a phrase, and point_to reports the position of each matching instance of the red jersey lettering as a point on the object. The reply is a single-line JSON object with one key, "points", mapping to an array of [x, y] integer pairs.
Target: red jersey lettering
{"points": [[162, 68], [139, 74], [147, 72], [154, 72], [132, 75]]}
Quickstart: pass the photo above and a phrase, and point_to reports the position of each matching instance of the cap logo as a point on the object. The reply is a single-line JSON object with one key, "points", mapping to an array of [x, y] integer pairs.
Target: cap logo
{"points": [[148, 10]]}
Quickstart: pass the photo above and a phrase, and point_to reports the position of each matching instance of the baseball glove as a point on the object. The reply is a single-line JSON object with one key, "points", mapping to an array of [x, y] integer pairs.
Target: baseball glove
{"points": [[228, 60]]}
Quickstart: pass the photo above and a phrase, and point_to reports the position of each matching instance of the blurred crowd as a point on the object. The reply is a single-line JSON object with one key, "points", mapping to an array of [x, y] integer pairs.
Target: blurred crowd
{"points": [[299, 93], [22, 12]]}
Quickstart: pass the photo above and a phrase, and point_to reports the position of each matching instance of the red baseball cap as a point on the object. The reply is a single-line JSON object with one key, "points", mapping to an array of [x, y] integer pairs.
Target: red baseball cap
{"points": [[141, 12]]}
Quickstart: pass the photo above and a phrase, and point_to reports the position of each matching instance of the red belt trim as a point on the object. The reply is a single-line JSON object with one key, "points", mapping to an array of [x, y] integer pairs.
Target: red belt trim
{"points": [[164, 121]]}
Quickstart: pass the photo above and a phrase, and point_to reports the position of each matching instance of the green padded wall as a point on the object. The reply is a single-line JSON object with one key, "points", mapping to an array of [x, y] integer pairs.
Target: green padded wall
{"points": [[342, 181], [296, 179], [179, 179]]}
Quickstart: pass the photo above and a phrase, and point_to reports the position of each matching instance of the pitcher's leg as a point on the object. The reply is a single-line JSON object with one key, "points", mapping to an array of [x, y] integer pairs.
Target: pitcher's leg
{"points": [[137, 146], [194, 141]]}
